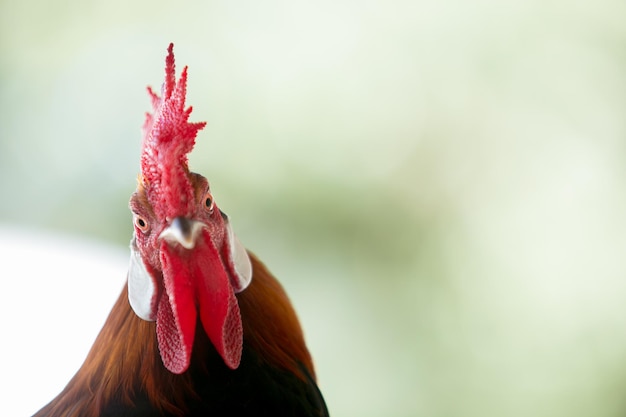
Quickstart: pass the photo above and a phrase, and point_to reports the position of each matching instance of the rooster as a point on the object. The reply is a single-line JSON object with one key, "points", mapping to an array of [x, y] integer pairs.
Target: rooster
{"points": [[202, 328]]}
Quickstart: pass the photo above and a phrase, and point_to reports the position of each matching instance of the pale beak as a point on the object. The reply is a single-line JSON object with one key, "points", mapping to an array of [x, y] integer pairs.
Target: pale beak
{"points": [[182, 231]]}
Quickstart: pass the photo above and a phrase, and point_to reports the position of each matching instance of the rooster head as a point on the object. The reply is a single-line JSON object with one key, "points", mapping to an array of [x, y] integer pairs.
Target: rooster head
{"points": [[185, 259]]}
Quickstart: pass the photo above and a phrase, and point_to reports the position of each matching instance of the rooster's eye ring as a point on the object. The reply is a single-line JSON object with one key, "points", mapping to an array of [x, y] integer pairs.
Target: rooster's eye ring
{"points": [[208, 202], [141, 223]]}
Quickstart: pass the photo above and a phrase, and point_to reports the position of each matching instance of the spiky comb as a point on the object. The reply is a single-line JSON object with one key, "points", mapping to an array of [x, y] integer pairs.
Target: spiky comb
{"points": [[167, 139]]}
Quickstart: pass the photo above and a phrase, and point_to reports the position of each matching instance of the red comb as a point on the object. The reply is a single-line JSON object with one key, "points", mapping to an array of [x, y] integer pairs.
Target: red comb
{"points": [[167, 139]]}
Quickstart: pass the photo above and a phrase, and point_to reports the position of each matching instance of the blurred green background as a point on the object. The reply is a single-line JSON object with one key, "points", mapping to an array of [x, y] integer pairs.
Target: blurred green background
{"points": [[440, 186]]}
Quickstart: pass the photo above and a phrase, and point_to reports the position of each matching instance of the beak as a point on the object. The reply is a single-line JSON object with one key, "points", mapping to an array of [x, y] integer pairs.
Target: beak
{"points": [[182, 231]]}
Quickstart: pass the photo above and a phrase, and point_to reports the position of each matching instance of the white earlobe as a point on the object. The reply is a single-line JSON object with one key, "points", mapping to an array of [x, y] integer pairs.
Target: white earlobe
{"points": [[140, 286], [239, 262]]}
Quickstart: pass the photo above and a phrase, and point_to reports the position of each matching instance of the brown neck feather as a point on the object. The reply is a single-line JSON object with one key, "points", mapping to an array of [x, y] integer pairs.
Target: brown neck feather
{"points": [[125, 356], [270, 323]]}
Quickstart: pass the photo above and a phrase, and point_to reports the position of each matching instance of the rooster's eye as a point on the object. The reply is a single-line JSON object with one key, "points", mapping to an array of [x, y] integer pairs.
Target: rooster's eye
{"points": [[208, 202], [141, 223]]}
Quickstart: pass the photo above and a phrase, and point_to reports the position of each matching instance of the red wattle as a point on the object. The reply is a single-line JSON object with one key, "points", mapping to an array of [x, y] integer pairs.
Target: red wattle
{"points": [[197, 278], [176, 315], [219, 309]]}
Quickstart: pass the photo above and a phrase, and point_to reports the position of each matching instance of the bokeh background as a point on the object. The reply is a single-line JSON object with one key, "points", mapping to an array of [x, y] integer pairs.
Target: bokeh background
{"points": [[440, 186]]}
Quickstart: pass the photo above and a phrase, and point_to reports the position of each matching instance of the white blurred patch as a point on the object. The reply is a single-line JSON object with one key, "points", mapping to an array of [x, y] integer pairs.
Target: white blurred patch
{"points": [[57, 292]]}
